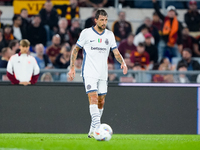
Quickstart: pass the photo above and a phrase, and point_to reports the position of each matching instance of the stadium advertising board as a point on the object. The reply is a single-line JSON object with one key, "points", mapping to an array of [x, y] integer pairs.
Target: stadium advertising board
{"points": [[34, 6]]}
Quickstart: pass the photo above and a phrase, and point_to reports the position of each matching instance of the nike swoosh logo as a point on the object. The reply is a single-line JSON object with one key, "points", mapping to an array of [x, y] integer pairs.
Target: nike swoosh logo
{"points": [[92, 40]]}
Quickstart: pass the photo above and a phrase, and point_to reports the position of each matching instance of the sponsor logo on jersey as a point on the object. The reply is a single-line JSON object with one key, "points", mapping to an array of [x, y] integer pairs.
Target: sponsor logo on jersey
{"points": [[98, 48], [106, 41], [92, 40], [99, 40]]}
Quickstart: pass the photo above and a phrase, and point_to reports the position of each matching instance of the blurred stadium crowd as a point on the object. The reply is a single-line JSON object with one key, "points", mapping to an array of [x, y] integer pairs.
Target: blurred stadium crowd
{"points": [[161, 42]]}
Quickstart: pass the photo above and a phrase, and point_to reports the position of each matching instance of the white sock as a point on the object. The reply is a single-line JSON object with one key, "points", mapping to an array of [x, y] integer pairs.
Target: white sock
{"points": [[101, 112], [95, 116]]}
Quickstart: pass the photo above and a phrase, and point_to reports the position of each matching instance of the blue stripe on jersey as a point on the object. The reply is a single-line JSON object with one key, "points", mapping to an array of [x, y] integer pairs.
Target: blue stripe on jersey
{"points": [[97, 32], [78, 45], [113, 48], [83, 65]]}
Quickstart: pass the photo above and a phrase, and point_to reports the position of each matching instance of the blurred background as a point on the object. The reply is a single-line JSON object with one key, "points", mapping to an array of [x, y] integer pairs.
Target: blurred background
{"points": [[159, 40]]}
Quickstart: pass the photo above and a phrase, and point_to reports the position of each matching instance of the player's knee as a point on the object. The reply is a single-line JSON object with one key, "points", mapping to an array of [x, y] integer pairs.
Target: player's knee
{"points": [[93, 98]]}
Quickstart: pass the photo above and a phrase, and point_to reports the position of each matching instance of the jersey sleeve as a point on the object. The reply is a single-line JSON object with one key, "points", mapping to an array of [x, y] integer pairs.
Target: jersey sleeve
{"points": [[10, 66], [113, 44], [82, 38], [36, 69]]}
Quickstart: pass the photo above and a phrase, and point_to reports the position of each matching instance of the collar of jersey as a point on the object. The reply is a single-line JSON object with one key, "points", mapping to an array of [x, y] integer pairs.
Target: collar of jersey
{"points": [[97, 32]]}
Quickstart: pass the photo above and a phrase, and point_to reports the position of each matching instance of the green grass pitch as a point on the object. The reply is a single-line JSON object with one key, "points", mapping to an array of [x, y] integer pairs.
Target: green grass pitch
{"points": [[81, 142]]}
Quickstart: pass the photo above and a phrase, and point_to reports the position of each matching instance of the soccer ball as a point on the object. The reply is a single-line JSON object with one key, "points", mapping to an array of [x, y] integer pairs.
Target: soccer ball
{"points": [[103, 132]]}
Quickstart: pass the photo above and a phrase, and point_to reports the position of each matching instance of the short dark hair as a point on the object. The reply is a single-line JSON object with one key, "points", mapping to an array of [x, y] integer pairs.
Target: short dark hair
{"points": [[13, 43], [141, 44], [100, 12], [23, 9], [15, 17], [188, 50], [180, 65]]}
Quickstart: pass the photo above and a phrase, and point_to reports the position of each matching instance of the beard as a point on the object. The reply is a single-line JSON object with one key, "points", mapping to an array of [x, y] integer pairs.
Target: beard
{"points": [[101, 27]]}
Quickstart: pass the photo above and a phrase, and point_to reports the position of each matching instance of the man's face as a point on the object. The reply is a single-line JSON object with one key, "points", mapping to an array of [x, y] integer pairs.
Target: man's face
{"points": [[76, 24], [171, 14], [122, 16], [148, 41], [37, 20], [193, 7], [148, 22], [185, 31], [140, 49], [48, 6], [186, 55], [56, 40], [24, 14], [63, 24], [78, 63], [24, 49], [156, 18], [39, 50], [18, 21], [130, 39], [101, 22]]}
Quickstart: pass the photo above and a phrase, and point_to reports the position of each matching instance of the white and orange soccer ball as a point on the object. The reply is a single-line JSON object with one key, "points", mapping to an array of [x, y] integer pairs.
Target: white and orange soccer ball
{"points": [[103, 132]]}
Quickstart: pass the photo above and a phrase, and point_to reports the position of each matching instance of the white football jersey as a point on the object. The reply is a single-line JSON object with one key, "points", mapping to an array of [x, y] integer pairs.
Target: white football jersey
{"points": [[96, 48], [23, 67]]}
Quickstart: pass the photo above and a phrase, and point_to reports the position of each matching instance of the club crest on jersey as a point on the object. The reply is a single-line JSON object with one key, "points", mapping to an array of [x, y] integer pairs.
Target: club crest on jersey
{"points": [[88, 86], [106, 41], [99, 40]]}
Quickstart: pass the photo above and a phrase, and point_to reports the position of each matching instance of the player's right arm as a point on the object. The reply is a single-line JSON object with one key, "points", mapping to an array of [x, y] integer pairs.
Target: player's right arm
{"points": [[72, 62]]}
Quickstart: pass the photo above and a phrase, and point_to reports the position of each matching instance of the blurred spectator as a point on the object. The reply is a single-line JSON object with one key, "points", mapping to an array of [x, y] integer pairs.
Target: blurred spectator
{"points": [[78, 65], [90, 21], [69, 11], [136, 67], [53, 50], [151, 49], [1, 24], [8, 35], [36, 32], [112, 76], [153, 30], [163, 78], [156, 22], [22, 68], [139, 38], [17, 31], [74, 31], [14, 46], [96, 3], [171, 32], [41, 58], [191, 64], [25, 22], [121, 28], [127, 46], [181, 78], [192, 17], [46, 77], [2, 41], [6, 54], [140, 56], [190, 42], [49, 19], [63, 59], [63, 31]]}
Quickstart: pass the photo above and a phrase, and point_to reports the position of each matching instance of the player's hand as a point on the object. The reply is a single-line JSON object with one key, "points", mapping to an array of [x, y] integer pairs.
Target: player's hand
{"points": [[124, 67], [71, 74]]}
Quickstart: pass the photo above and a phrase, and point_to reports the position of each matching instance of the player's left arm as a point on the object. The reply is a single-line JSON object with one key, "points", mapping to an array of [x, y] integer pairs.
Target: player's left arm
{"points": [[120, 59]]}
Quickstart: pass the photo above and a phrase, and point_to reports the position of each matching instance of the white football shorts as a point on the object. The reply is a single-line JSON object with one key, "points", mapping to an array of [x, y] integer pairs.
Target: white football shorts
{"points": [[92, 84]]}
